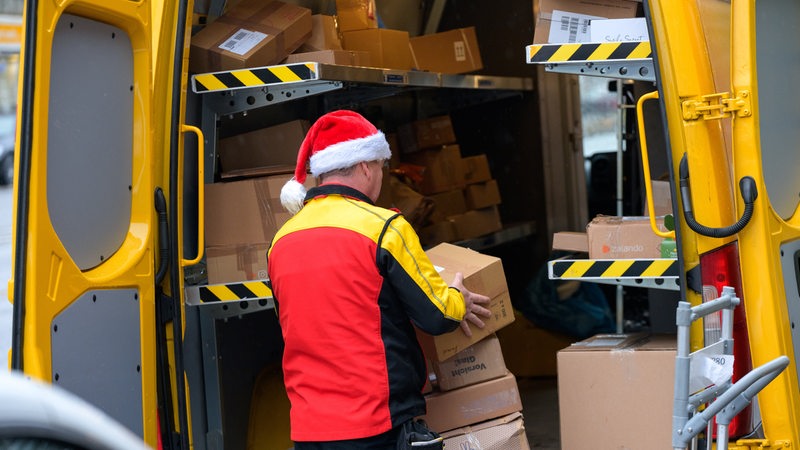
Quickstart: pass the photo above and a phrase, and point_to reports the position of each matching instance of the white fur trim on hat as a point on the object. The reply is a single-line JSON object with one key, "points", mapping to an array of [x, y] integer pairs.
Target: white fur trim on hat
{"points": [[349, 153], [293, 193]]}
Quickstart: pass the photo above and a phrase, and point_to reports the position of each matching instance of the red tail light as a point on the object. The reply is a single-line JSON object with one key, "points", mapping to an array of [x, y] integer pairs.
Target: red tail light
{"points": [[719, 268]]}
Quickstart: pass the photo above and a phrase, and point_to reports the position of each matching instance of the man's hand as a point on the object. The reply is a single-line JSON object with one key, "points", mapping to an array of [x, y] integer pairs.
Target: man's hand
{"points": [[474, 306]]}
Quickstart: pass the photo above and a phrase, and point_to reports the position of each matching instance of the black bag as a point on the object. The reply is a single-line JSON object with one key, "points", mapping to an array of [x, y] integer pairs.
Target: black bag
{"points": [[415, 435]]}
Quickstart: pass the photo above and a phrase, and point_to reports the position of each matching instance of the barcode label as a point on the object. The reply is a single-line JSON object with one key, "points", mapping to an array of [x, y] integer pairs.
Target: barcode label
{"points": [[569, 27], [242, 41]]}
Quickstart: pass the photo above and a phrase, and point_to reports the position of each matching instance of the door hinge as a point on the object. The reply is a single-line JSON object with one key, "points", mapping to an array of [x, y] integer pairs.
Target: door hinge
{"points": [[717, 106]]}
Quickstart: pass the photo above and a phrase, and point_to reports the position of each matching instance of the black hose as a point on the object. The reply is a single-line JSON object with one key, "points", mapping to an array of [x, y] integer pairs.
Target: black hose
{"points": [[749, 192]]}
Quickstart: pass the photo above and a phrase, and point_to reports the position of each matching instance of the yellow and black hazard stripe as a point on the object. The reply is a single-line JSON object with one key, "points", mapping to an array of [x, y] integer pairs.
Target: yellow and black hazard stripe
{"points": [[235, 291], [261, 76], [615, 268], [555, 53]]}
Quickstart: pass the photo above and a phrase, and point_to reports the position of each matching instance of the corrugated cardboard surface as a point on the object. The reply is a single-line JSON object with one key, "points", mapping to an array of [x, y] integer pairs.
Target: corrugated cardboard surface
{"points": [[609, 9], [616, 391], [614, 237], [476, 169], [230, 264], [324, 35], [482, 195], [387, 49], [447, 204], [285, 27], [356, 15], [483, 274], [338, 57], [505, 433], [473, 404], [442, 169], [426, 133], [477, 222], [245, 212], [573, 241], [454, 51], [479, 362], [267, 150]]}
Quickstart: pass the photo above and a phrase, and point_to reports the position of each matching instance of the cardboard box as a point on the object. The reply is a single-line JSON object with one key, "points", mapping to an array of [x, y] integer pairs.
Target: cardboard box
{"points": [[615, 237], [425, 134], [505, 433], [569, 21], [454, 51], [437, 233], [261, 152], [232, 263], [476, 169], [616, 391], [483, 274], [472, 404], [387, 49], [572, 241], [324, 35], [480, 362], [245, 212], [482, 195], [448, 203], [355, 15], [477, 222], [253, 33], [662, 198], [442, 169], [530, 351], [339, 57]]}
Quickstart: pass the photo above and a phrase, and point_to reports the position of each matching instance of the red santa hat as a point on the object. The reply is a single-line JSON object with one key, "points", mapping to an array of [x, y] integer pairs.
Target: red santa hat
{"points": [[337, 140]]}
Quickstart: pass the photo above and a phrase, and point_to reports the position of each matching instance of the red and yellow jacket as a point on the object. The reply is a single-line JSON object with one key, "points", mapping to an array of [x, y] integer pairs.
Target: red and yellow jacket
{"points": [[349, 278]]}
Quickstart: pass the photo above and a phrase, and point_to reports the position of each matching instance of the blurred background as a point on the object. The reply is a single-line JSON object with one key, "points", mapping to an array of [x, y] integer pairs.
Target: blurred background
{"points": [[10, 40]]}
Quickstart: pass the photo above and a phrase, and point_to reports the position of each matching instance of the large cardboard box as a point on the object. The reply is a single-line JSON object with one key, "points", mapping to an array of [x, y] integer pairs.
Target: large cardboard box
{"points": [[387, 48], [567, 21], [454, 51], [253, 33], [477, 222], [448, 203], [480, 362], [618, 237], [437, 233], [324, 35], [264, 151], [505, 433], [473, 404], [616, 391], [442, 169], [356, 15], [482, 195], [245, 212], [426, 133], [483, 274], [232, 263], [476, 169]]}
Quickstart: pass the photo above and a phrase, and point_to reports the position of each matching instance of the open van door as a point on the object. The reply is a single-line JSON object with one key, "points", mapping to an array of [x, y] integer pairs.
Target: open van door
{"points": [[724, 74], [98, 253]]}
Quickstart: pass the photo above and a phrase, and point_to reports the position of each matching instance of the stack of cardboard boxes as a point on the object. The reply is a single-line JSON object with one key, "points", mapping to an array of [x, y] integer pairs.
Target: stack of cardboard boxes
{"points": [[473, 397], [464, 194], [255, 33]]}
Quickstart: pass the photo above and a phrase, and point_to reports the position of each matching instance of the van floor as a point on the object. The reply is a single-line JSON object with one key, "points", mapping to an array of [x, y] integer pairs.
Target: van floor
{"points": [[540, 412]]}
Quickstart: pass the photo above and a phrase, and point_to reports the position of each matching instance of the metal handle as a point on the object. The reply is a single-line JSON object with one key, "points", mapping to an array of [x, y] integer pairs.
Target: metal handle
{"points": [[646, 165], [201, 195]]}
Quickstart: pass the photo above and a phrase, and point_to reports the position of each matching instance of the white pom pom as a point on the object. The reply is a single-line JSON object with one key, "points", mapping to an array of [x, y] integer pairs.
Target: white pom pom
{"points": [[292, 195]]}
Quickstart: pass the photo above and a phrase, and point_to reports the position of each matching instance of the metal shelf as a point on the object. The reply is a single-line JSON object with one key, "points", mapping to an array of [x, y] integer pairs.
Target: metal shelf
{"points": [[629, 60], [656, 273]]}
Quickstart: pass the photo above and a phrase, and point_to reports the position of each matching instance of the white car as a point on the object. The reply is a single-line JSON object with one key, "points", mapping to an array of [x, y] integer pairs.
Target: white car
{"points": [[36, 415]]}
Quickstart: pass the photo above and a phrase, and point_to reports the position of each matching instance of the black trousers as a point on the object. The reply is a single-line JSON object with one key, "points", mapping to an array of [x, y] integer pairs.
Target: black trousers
{"points": [[384, 441]]}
